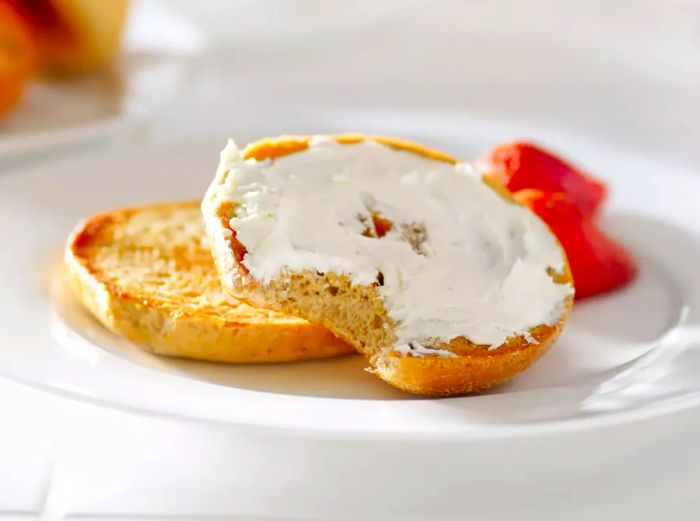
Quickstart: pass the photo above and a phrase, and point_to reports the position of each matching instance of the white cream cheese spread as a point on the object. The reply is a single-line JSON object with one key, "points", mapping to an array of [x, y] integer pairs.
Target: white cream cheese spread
{"points": [[450, 256]]}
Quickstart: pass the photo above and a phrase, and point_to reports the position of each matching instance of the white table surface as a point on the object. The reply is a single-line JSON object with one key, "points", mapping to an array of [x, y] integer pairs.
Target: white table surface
{"points": [[628, 76]]}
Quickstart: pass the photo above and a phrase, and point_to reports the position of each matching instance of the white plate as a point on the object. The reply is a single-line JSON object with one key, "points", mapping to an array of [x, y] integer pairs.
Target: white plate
{"points": [[632, 354], [153, 69]]}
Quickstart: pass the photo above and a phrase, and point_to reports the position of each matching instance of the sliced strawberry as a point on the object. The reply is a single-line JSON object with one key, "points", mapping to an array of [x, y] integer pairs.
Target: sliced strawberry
{"points": [[519, 165], [598, 263]]}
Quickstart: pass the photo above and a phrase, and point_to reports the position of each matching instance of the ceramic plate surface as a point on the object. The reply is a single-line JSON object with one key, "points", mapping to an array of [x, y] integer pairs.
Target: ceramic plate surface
{"points": [[628, 355], [152, 70]]}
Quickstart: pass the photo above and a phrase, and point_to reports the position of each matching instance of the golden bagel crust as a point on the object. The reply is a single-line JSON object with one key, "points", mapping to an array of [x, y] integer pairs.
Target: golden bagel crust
{"points": [[357, 313], [147, 274], [271, 148]]}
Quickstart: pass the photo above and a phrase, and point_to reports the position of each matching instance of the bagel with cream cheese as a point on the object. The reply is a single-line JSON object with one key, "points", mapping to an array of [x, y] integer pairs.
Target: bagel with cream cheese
{"points": [[437, 275]]}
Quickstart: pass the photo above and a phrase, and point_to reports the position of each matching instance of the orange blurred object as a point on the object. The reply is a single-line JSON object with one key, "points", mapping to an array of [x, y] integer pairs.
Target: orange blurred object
{"points": [[74, 36], [17, 55]]}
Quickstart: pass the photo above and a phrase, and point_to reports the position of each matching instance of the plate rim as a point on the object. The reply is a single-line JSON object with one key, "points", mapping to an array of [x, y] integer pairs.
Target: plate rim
{"points": [[483, 431]]}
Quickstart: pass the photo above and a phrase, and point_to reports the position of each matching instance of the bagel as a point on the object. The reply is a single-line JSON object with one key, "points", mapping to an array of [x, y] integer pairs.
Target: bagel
{"points": [[147, 274], [444, 282]]}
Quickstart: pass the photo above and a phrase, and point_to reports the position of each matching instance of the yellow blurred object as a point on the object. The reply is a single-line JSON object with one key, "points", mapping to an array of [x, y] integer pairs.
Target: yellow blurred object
{"points": [[16, 56], [76, 36]]}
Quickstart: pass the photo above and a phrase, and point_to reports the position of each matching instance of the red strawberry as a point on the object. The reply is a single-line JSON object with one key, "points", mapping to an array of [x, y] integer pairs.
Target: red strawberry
{"points": [[519, 165], [598, 263]]}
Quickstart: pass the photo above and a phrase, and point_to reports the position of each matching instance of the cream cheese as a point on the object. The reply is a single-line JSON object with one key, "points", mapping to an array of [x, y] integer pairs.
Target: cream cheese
{"points": [[458, 260]]}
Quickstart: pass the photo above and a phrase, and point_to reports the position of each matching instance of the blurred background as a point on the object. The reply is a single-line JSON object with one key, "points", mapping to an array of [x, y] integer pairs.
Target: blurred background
{"points": [[82, 74], [623, 72]]}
